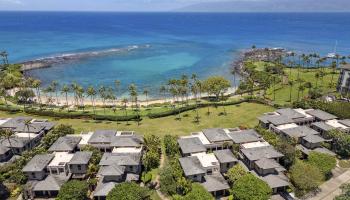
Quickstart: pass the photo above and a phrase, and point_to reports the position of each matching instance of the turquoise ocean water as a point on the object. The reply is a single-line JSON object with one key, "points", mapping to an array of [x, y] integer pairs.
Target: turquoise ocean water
{"points": [[177, 43]]}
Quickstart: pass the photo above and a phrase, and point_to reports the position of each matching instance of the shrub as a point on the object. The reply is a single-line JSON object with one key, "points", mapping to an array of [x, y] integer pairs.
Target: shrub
{"points": [[74, 189], [198, 192], [305, 177], [236, 173], [128, 191], [250, 187], [324, 162], [171, 145]]}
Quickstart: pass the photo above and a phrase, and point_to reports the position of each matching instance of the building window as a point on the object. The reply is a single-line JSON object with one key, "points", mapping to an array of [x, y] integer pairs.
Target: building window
{"points": [[228, 165], [209, 172], [33, 175], [79, 167]]}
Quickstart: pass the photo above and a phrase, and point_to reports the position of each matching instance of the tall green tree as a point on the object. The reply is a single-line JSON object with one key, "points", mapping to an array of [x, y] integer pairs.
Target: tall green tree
{"points": [[65, 90], [7, 134], [74, 189], [250, 187], [128, 191], [91, 92], [305, 184], [216, 85]]}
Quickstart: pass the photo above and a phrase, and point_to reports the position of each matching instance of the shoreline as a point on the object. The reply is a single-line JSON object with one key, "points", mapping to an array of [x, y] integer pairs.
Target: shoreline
{"points": [[98, 101]]}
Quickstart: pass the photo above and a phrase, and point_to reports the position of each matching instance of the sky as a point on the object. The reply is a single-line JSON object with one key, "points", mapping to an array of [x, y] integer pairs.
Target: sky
{"points": [[98, 5]]}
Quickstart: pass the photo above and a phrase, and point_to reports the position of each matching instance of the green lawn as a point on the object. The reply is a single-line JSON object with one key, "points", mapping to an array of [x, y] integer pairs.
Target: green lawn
{"points": [[307, 75], [244, 114]]}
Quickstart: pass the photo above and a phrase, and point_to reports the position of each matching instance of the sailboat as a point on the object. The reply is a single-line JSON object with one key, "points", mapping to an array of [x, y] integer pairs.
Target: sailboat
{"points": [[334, 54]]}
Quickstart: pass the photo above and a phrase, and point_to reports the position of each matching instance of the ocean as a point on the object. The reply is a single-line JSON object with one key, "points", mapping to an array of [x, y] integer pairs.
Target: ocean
{"points": [[164, 45]]}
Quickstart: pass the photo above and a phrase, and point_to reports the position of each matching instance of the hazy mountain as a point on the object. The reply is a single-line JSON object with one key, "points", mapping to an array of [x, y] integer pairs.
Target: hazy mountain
{"points": [[271, 6]]}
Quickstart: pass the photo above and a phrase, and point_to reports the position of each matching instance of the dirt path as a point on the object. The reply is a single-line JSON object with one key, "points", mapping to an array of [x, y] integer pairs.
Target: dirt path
{"points": [[160, 194]]}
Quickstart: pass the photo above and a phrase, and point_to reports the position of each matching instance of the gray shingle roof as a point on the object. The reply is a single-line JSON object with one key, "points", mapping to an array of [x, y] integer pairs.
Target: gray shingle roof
{"points": [[65, 143], [225, 156], [103, 189], [3, 149], [51, 183], [38, 163], [313, 139], [126, 141], [80, 158], [279, 119], [266, 163], [111, 170], [245, 136], [321, 115], [323, 126], [191, 166], [122, 159], [18, 125], [216, 135], [191, 145], [345, 122], [261, 152], [215, 182], [290, 113], [16, 142], [319, 150], [276, 181], [300, 131], [102, 136]]}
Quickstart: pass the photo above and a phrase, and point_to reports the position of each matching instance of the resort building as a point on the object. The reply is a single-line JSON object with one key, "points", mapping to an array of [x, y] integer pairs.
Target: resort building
{"points": [[308, 136], [344, 79], [111, 140], [27, 134], [200, 163]]}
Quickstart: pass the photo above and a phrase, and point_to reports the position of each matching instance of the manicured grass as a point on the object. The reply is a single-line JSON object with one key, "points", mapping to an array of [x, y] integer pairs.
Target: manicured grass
{"points": [[307, 75], [154, 195], [244, 114]]}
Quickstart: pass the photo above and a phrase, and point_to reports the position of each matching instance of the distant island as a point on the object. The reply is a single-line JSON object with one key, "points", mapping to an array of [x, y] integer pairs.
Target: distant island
{"points": [[270, 6]]}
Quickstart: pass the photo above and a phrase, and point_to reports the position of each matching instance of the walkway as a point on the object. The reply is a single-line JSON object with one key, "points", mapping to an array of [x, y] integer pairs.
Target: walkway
{"points": [[331, 188], [160, 194]]}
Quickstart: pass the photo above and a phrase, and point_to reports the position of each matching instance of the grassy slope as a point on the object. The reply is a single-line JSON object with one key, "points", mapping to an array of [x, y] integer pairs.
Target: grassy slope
{"points": [[308, 75], [243, 114]]}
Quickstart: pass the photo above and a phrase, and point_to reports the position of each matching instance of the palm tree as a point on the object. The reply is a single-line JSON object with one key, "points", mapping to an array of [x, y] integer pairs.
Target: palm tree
{"points": [[146, 92], [75, 86], [54, 85], [317, 76], [91, 92], [133, 94], [301, 89], [290, 83], [162, 91], [3, 93], [125, 103], [334, 67], [80, 94], [36, 85], [102, 92], [65, 90], [7, 134], [27, 124], [4, 56], [117, 87]]}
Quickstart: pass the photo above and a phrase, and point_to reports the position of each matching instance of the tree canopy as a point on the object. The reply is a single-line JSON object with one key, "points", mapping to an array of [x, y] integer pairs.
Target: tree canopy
{"points": [[235, 173], [305, 177], [198, 192], [128, 191], [216, 85], [250, 187], [74, 189], [324, 162], [345, 193]]}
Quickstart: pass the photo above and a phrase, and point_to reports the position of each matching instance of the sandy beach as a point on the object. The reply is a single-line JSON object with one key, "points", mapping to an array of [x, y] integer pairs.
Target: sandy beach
{"points": [[62, 101]]}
